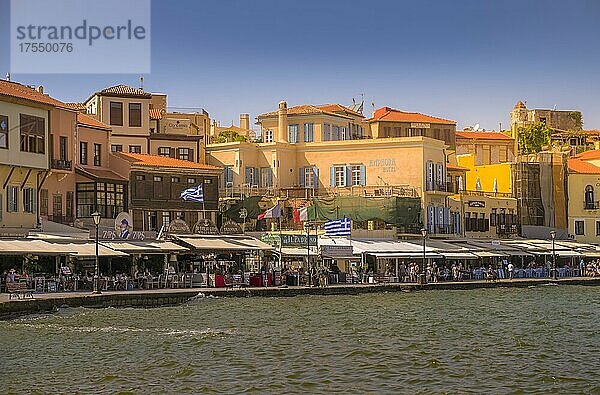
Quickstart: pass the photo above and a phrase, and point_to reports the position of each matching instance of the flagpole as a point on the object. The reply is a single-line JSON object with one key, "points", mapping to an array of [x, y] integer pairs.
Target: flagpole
{"points": [[280, 241]]}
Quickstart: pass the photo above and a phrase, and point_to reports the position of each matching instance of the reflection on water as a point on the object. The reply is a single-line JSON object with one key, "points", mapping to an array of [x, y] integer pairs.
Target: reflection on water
{"points": [[542, 339]]}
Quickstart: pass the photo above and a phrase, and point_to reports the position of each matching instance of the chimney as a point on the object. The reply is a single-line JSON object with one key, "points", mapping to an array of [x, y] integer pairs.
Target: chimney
{"points": [[40, 89], [245, 121], [283, 123]]}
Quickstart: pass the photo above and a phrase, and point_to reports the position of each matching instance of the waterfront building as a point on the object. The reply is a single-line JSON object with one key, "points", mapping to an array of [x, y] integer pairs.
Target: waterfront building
{"points": [[332, 150], [583, 190], [141, 123], [25, 121], [487, 148], [156, 183]]}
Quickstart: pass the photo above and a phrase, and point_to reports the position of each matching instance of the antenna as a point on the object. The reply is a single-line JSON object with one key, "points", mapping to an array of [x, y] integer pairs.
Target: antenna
{"points": [[8, 76], [142, 83]]}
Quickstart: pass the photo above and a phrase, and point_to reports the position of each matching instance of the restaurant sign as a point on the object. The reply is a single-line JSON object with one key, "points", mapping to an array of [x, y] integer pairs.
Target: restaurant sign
{"points": [[231, 228], [178, 226], [420, 125], [331, 251], [289, 239], [205, 226], [476, 203], [112, 234]]}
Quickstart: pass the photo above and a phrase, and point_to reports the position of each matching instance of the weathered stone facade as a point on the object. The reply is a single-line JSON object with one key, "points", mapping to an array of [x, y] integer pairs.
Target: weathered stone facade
{"points": [[558, 120]]}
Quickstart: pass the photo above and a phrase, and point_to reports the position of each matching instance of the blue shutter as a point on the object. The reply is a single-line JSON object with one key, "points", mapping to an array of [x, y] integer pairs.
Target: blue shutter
{"points": [[363, 175], [301, 176], [446, 220], [332, 176], [430, 219], [348, 176], [316, 177], [35, 200]]}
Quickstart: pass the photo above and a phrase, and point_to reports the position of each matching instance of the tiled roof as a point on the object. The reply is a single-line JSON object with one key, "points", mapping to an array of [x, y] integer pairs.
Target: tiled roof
{"points": [[75, 106], [16, 90], [163, 161], [466, 134], [335, 108], [589, 155], [99, 174], [89, 121], [124, 90], [302, 110], [156, 113], [582, 167], [451, 166], [393, 115]]}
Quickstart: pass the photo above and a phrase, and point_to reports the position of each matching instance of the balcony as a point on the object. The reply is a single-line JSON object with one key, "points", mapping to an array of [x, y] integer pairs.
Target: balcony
{"points": [[489, 194], [440, 187], [61, 164], [371, 191], [591, 205]]}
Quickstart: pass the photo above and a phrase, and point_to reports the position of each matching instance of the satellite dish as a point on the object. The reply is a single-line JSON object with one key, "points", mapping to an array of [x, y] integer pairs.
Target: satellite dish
{"points": [[476, 127]]}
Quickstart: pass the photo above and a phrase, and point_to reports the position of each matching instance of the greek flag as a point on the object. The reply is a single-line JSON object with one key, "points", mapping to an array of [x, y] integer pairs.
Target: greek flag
{"points": [[194, 194], [338, 227]]}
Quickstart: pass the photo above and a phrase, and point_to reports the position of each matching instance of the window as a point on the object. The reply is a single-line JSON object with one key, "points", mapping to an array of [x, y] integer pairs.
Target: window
{"points": [[158, 178], [579, 227], [191, 180], [326, 132], [344, 133], [33, 132], [97, 154], [597, 228], [589, 198], [339, 173], [140, 177], [135, 149], [85, 198], [28, 206], [268, 136], [83, 153], [151, 223], [116, 113], [135, 115], [309, 177], [493, 217], [164, 151], [309, 132], [503, 154], [105, 197], [3, 131], [116, 148], [266, 177], [184, 153], [251, 176], [175, 180], [62, 148], [70, 198], [166, 219], [429, 176], [412, 132], [335, 133], [358, 175], [293, 133], [12, 199], [228, 176], [43, 202]]}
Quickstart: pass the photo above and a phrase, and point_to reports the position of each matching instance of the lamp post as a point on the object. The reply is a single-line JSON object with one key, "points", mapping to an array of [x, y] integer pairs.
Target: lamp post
{"points": [[96, 216], [423, 276], [553, 237], [243, 215], [307, 224]]}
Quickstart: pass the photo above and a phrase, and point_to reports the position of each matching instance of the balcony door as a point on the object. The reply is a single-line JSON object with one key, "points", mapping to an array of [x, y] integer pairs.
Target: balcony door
{"points": [[57, 208]]}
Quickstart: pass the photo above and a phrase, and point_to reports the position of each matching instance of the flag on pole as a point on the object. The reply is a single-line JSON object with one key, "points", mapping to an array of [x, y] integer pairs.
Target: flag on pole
{"points": [[300, 214], [338, 227], [194, 194], [273, 212]]}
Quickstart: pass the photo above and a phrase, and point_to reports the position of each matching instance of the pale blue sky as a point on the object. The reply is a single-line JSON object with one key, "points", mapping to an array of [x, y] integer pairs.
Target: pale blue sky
{"points": [[465, 60]]}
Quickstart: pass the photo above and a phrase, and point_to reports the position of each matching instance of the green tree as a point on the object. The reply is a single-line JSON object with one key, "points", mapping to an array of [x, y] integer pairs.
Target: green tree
{"points": [[229, 136], [533, 138], [577, 118]]}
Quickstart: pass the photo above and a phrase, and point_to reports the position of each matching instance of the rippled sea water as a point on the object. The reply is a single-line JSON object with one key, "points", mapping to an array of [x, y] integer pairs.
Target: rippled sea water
{"points": [[536, 340]]}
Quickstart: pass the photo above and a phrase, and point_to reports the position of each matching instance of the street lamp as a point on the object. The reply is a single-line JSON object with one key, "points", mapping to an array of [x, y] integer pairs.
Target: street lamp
{"points": [[553, 237], [96, 216], [422, 276]]}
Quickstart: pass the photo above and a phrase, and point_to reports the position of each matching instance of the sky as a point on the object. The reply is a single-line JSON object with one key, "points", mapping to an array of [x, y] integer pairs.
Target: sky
{"points": [[465, 60]]}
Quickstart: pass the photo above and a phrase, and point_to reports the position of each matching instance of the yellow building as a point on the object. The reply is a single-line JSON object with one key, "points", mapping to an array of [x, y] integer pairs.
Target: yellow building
{"points": [[24, 157], [328, 150], [487, 148], [496, 178], [583, 189]]}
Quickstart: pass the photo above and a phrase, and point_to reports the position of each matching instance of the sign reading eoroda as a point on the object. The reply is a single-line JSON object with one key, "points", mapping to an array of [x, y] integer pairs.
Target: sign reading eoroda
{"points": [[80, 36]]}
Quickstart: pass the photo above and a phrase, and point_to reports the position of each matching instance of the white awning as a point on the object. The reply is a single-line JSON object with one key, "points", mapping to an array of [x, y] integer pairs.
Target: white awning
{"points": [[224, 243], [459, 255], [291, 251], [151, 247], [32, 247], [88, 250], [415, 254], [488, 254]]}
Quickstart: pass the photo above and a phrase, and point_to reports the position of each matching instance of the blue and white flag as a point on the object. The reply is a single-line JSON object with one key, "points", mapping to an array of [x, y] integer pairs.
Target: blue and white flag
{"points": [[338, 227], [194, 194]]}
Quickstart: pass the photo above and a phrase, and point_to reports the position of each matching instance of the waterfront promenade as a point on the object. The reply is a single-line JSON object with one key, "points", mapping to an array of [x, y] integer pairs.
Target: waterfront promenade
{"points": [[48, 302]]}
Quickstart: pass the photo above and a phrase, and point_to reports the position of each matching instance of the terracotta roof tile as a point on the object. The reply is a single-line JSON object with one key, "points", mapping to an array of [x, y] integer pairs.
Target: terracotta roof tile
{"points": [[582, 167], [163, 161], [156, 113], [75, 106], [124, 90], [20, 91], [335, 108], [86, 120], [302, 110], [393, 115], [99, 174], [588, 155], [466, 134]]}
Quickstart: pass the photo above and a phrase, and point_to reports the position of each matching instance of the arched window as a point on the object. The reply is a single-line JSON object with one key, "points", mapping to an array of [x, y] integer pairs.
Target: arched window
{"points": [[589, 197]]}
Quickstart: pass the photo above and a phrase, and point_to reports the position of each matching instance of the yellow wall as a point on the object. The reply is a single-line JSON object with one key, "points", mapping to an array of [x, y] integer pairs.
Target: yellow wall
{"points": [[20, 219], [486, 173], [461, 203], [577, 210]]}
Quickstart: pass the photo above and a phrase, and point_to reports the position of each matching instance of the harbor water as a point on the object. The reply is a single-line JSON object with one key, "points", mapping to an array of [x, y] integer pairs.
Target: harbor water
{"points": [[541, 339]]}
